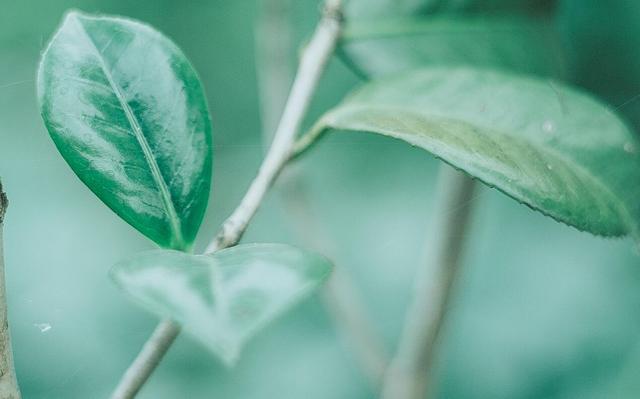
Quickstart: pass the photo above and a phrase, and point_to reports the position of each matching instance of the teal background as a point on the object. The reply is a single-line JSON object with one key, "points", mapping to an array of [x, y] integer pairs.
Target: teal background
{"points": [[541, 311]]}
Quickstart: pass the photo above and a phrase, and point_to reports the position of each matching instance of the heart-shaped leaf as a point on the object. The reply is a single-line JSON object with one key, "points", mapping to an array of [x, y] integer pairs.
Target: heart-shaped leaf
{"points": [[545, 144], [128, 113], [225, 298]]}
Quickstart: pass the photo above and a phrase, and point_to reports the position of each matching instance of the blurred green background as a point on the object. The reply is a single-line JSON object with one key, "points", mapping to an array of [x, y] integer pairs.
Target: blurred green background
{"points": [[542, 311]]}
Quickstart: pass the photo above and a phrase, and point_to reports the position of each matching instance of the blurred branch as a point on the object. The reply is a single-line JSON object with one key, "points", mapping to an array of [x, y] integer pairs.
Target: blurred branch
{"points": [[312, 65], [147, 360], [411, 367], [341, 298], [273, 52], [8, 382]]}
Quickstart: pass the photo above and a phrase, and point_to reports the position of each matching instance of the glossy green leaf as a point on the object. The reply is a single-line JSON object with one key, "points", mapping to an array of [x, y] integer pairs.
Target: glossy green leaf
{"points": [[128, 113], [378, 47], [545, 144], [225, 298]]}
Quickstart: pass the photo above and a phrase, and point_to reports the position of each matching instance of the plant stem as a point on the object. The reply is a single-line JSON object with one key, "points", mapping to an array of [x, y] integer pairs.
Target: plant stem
{"points": [[147, 360], [411, 367], [312, 65], [8, 382], [273, 52], [340, 295]]}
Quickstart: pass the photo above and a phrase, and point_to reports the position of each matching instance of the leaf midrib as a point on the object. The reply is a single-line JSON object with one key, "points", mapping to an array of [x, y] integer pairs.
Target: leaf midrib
{"points": [[142, 141]]}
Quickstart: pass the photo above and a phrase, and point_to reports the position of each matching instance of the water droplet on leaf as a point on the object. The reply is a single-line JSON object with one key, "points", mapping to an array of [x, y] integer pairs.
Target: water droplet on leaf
{"points": [[548, 127], [629, 147]]}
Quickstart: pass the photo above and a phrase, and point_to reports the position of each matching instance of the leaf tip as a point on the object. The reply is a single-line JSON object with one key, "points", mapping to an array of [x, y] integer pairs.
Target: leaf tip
{"points": [[74, 14], [69, 16], [228, 356], [71, 13]]}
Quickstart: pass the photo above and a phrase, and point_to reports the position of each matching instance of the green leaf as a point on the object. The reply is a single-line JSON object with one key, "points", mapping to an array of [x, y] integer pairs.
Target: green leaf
{"points": [[384, 37], [225, 298], [545, 144], [377, 47], [381, 8], [128, 113]]}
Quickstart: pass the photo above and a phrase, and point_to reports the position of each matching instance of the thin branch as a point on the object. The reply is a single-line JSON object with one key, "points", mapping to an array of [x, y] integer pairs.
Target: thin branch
{"points": [[8, 382], [411, 367], [147, 360], [355, 327], [312, 65], [340, 295], [273, 53]]}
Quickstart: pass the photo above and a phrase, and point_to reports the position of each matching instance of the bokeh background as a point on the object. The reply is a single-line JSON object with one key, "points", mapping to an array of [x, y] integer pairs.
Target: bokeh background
{"points": [[541, 311]]}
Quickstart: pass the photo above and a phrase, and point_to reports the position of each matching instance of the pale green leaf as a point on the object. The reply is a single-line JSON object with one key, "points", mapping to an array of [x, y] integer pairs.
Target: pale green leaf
{"points": [[225, 298], [547, 145]]}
